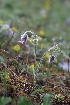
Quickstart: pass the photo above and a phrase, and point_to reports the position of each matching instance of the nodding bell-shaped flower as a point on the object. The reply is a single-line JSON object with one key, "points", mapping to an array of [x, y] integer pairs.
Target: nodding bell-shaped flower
{"points": [[24, 38], [51, 59]]}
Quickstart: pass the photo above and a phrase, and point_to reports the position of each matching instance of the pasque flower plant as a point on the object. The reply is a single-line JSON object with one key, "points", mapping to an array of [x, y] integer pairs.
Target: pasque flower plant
{"points": [[35, 39]]}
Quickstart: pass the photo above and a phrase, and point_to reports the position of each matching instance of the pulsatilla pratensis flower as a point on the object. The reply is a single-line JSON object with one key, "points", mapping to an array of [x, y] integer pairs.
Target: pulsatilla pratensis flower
{"points": [[51, 59], [24, 38]]}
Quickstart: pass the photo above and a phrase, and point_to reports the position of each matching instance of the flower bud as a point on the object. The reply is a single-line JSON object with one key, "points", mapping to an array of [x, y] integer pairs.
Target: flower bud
{"points": [[51, 59], [24, 38]]}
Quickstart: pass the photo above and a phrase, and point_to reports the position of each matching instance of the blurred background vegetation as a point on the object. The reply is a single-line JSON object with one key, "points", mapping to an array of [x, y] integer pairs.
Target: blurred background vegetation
{"points": [[48, 18]]}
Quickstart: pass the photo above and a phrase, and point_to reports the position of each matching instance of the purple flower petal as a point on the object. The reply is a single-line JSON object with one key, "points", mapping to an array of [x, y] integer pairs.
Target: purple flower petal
{"points": [[51, 59], [19, 41]]}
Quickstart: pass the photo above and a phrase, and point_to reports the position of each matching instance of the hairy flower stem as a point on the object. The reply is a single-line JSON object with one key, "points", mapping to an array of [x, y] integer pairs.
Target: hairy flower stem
{"points": [[49, 51], [34, 70], [34, 56], [39, 66], [43, 56]]}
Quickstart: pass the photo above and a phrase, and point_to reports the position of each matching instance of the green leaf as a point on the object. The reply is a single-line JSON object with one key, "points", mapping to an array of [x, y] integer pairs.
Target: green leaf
{"points": [[38, 90], [24, 101], [5, 100], [47, 99]]}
